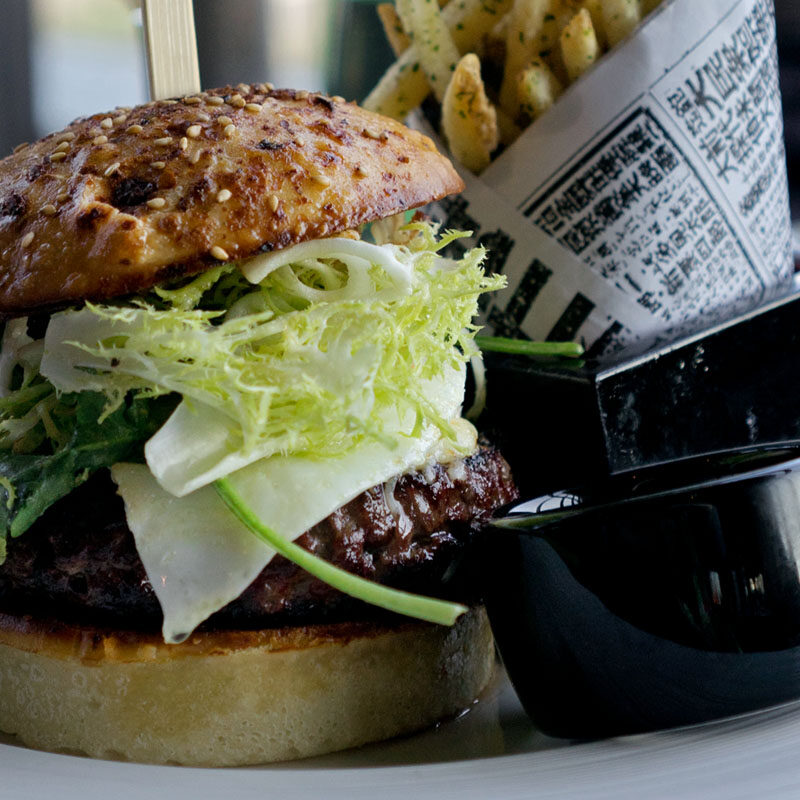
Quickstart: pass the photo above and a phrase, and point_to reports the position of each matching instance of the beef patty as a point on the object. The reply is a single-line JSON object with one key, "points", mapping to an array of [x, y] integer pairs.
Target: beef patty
{"points": [[79, 561]]}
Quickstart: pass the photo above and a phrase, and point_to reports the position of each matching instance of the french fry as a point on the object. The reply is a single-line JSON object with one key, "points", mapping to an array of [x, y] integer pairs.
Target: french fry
{"points": [[533, 34], [468, 118], [620, 17], [403, 87], [537, 89], [393, 28], [525, 28], [437, 52], [549, 49], [595, 8], [579, 47], [469, 20]]}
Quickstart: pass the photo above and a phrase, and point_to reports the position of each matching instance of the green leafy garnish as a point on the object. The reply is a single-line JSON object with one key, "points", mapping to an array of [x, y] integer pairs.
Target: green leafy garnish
{"points": [[31, 482], [410, 605]]}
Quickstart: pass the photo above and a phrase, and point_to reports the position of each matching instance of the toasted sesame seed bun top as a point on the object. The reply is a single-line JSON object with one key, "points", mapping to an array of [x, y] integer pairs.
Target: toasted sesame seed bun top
{"points": [[116, 203]]}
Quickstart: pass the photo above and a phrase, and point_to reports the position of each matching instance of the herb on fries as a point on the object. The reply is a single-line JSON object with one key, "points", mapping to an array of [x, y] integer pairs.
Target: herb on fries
{"points": [[494, 65]]}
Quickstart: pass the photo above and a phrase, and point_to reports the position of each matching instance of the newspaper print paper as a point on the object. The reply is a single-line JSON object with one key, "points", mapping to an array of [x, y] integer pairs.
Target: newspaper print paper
{"points": [[653, 196]]}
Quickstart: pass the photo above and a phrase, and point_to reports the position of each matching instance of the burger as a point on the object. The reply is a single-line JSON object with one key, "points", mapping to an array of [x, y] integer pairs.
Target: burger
{"points": [[233, 460]]}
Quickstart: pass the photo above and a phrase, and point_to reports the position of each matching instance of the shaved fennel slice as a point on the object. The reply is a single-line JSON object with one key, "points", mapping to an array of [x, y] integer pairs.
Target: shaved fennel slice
{"points": [[199, 557], [354, 253], [197, 445], [15, 337], [67, 368]]}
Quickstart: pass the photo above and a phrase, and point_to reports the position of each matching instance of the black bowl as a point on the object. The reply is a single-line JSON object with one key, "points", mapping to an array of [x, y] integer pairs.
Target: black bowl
{"points": [[664, 597]]}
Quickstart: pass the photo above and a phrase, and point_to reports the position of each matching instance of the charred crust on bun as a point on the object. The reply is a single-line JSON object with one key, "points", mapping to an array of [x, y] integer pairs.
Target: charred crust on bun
{"points": [[101, 208]]}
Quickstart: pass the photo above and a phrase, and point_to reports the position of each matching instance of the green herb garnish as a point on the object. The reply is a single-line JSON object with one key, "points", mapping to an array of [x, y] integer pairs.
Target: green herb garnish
{"points": [[410, 605], [501, 344]]}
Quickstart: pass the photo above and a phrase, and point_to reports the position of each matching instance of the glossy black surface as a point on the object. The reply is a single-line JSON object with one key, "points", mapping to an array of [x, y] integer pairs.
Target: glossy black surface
{"points": [[561, 423], [674, 608]]}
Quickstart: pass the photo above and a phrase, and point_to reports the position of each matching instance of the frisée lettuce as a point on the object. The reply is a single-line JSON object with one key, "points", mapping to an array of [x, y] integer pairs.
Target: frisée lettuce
{"points": [[309, 361]]}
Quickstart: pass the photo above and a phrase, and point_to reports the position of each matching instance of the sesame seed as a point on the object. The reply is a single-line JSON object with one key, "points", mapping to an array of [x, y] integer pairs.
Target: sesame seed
{"points": [[135, 129], [191, 101], [237, 101], [254, 108], [20, 146], [111, 169], [120, 119], [158, 164], [218, 253], [26, 239], [223, 120], [223, 195], [244, 87], [156, 202], [203, 117], [196, 156], [49, 210], [168, 102], [58, 156], [229, 131], [323, 180], [274, 202], [184, 142], [101, 139], [338, 99], [193, 131], [373, 134], [163, 140], [302, 95], [268, 86], [215, 100], [62, 197], [67, 136], [62, 148], [107, 123]]}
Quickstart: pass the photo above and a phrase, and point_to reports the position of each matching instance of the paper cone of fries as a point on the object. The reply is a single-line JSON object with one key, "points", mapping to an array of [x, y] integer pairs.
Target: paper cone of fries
{"points": [[647, 193]]}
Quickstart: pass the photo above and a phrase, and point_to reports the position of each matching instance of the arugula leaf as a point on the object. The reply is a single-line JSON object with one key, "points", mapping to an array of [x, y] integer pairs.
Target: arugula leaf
{"points": [[32, 483]]}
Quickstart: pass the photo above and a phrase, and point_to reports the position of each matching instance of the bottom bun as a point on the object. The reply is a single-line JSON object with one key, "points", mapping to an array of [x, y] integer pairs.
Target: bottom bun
{"points": [[236, 697]]}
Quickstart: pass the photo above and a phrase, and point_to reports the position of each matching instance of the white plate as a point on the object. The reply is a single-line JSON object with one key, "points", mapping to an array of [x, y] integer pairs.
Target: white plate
{"points": [[491, 752]]}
